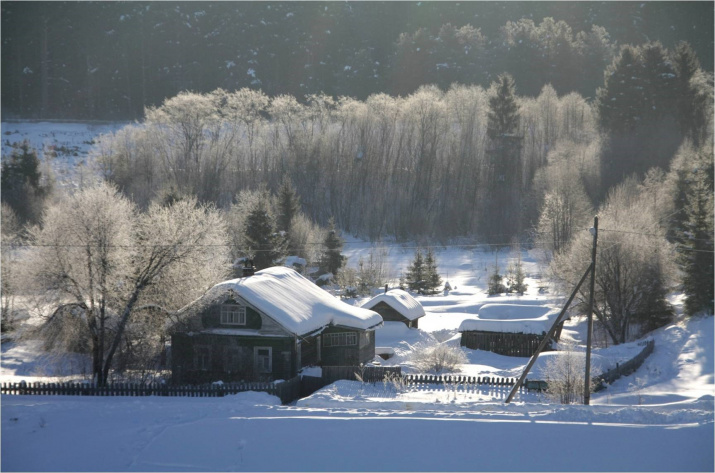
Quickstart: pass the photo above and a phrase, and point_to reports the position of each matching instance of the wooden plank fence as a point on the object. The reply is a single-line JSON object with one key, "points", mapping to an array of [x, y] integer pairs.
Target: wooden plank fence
{"points": [[601, 381], [287, 391]]}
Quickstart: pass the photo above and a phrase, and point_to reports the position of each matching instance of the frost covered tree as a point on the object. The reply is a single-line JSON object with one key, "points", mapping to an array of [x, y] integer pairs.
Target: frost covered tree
{"points": [[634, 268], [97, 261]]}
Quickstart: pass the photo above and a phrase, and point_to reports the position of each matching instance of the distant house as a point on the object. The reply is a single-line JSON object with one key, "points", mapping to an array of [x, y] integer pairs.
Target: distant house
{"points": [[268, 326], [509, 329], [396, 305]]}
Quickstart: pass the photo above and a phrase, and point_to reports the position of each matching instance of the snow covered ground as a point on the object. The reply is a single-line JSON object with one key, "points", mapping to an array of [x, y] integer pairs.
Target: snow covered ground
{"points": [[658, 419], [63, 146]]}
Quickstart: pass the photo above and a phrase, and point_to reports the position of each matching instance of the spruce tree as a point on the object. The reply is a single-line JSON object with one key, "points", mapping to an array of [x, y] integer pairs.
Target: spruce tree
{"points": [[21, 186], [264, 244], [415, 277], [332, 260], [503, 206], [288, 204], [696, 256], [432, 279], [692, 99]]}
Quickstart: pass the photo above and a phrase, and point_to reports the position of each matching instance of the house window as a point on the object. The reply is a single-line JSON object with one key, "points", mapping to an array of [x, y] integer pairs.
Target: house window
{"points": [[233, 314], [345, 339], [202, 357], [263, 358]]}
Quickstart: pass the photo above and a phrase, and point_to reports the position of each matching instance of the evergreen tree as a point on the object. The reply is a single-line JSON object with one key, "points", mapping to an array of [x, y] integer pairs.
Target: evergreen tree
{"points": [[503, 206], [495, 283], [415, 277], [21, 186], [332, 260], [515, 278], [432, 279], [692, 95], [696, 257], [264, 244], [288, 204]]}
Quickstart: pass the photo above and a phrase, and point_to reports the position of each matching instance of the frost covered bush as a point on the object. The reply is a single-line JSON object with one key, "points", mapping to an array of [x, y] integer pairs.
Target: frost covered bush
{"points": [[565, 375], [437, 358]]}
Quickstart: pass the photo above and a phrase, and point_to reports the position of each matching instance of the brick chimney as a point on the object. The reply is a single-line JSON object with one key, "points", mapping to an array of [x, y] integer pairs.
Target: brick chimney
{"points": [[248, 269]]}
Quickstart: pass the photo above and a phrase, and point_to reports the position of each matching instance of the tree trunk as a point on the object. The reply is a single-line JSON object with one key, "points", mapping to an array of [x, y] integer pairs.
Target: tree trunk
{"points": [[120, 330]]}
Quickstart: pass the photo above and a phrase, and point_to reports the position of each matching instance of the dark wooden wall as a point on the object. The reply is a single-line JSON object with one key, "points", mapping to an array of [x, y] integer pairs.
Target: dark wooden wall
{"points": [[184, 370], [510, 344]]}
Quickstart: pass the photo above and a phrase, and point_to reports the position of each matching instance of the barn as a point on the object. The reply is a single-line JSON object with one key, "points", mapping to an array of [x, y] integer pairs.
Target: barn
{"points": [[396, 305], [268, 326], [509, 329]]}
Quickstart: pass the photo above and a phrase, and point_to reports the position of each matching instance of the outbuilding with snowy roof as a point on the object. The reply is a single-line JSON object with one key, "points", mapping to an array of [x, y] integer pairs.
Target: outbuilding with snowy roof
{"points": [[268, 326], [509, 329], [396, 305]]}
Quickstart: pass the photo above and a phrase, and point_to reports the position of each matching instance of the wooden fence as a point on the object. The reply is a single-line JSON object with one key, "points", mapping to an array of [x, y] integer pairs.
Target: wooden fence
{"points": [[375, 374], [287, 391], [624, 369]]}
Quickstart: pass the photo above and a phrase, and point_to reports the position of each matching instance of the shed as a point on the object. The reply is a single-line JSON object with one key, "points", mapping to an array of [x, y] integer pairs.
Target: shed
{"points": [[396, 305], [509, 329], [268, 326]]}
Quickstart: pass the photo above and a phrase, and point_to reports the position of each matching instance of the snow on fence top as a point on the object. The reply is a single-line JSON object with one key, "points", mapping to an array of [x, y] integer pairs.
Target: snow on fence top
{"points": [[511, 318], [399, 300], [296, 303]]}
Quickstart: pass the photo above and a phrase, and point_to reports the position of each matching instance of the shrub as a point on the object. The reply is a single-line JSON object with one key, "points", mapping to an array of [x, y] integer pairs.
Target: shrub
{"points": [[437, 358]]}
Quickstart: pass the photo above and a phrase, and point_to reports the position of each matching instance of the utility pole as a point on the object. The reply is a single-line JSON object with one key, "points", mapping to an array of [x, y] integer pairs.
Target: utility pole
{"points": [[589, 336]]}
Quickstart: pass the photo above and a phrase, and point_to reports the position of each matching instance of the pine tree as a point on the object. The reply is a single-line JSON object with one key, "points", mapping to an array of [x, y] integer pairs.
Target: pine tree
{"points": [[265, 245], [415, 277], [332, 260], [432, 279]]}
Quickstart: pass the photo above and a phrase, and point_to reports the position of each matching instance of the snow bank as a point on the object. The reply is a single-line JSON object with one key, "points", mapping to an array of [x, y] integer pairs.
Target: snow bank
{"points": [[399, 300], [296, 303]]}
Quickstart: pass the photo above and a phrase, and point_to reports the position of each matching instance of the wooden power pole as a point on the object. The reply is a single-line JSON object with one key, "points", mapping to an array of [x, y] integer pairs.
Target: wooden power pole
{"points": [[589, 336]]}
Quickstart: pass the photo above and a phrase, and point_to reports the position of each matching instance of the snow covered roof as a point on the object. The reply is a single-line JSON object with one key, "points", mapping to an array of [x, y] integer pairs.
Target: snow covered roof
{"points": [[511, 318], [296, 303], [399, 300]]}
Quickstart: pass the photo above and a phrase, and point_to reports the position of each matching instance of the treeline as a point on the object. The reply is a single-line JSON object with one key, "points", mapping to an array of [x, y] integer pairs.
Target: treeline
{"points": [[435, 164], [111, 60]]}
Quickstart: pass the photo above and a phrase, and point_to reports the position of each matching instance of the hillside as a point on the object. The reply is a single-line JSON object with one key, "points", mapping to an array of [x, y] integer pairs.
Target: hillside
{"points": [[109, 60]]}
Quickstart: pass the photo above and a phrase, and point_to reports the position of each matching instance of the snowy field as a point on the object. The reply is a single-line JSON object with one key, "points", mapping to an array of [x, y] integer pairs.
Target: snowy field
{"points": [[658, 419]]}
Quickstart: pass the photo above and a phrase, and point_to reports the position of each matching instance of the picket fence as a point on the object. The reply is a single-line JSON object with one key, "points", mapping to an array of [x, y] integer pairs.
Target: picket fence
{"points": [[287, 391]]}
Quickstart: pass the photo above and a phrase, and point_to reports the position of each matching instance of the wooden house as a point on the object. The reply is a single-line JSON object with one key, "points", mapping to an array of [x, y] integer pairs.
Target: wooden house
{"points": [[396, 305], [509, 329], [268, 326]]}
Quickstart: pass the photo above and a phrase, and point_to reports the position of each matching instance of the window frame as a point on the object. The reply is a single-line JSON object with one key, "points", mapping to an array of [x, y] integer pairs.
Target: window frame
{"points": [[260, 367], [229, 311], [340, 339], [202, 357]]}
